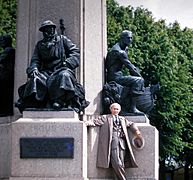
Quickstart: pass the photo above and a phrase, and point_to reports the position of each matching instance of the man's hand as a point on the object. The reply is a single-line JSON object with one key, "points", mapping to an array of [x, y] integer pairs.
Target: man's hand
{"points": [[138, 133], [138, 140], [89, 123]]}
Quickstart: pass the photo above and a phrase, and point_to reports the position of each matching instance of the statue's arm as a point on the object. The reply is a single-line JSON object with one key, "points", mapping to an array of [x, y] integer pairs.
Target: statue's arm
{"points": [[124, 59], [35, 62], [72, 53]]}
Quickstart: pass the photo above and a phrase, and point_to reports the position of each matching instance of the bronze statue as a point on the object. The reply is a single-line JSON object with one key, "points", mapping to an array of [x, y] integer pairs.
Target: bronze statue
{"points": [[114, 145], [7, 61], [52, 82], [113, 92], [116, 59]]}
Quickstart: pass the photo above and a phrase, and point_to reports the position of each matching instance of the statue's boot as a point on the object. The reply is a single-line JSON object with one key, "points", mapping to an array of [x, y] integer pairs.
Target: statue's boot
{"points": [[56, 106], [133, 108], [19, 105]]}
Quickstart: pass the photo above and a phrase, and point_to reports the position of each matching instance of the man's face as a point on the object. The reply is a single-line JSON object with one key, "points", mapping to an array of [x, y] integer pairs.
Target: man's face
{"points": [[115, 110], [127, 38], [49, 31]]}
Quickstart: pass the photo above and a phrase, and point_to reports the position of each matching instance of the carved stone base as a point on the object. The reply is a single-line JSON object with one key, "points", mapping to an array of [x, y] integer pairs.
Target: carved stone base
{"points": [[39, 178], [83, 165], [50, 113], [49, 168], [5, 150]]}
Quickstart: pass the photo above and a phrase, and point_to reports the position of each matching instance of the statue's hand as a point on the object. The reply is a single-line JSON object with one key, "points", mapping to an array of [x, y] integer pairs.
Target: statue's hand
{"points": [[34, 73], [135, 71], [64, 64]]}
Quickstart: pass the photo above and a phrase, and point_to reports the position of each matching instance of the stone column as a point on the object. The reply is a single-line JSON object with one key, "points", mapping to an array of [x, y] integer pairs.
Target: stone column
{"points": [[94, 47]]}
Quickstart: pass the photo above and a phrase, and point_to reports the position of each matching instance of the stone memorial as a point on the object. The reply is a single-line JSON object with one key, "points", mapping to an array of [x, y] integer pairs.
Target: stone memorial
{"points": [[43, 158], [84, 22]]}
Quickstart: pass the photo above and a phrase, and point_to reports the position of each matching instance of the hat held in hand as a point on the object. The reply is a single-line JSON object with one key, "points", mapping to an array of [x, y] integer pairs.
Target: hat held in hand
{"points": [[138, 142]]}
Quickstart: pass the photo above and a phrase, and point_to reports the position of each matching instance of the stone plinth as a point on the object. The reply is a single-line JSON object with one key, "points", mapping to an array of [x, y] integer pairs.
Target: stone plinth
{"points": [[5, 140], [147, 158], [49, 168], [47, 113], [83, 165], [41, 178], [6, 119], [135, 119]]}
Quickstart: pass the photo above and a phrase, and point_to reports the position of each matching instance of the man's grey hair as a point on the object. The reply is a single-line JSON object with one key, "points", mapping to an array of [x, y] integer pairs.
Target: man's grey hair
{"points": [[115, 104]]}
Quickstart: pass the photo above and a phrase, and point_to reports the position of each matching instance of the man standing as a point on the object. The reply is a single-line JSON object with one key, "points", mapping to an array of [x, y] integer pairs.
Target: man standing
{"points": [[116, 59], [114, 141]]}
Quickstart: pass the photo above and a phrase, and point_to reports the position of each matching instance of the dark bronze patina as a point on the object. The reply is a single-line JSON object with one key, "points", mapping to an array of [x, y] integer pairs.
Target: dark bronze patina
{"points": [[52, 82], [128, 90], [7, 61]]}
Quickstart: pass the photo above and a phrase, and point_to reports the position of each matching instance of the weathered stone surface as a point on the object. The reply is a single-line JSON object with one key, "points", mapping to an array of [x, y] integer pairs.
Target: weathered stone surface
{"points": [[83, 165], [39, 178], [50, 114], [75, 168], [135, 119], [5, 148]]}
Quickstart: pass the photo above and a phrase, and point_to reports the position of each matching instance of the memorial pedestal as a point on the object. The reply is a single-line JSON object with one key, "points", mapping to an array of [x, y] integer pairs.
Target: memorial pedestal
{"points": [[82, 165], [5, 150], [49, 168]]}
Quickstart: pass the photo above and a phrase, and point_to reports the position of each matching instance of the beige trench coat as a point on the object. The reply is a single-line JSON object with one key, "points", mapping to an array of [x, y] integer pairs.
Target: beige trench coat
{"points": [[105, 137]]}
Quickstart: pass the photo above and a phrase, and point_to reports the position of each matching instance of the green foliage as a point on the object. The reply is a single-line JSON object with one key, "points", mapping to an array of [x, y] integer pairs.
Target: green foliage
{"points": [[8, 18], [164, 54]]}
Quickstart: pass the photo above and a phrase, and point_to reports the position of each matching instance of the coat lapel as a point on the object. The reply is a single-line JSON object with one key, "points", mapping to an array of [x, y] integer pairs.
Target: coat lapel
{"points": [[132, 157], [110, 121]]}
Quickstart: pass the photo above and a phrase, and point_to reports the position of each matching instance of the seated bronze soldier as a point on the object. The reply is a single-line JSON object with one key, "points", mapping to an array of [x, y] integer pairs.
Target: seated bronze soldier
{"points": [[52, 82], [116, 59]]}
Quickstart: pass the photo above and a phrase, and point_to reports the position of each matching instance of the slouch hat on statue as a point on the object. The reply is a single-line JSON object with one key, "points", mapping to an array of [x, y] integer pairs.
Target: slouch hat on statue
{"points": [[45, 24]]}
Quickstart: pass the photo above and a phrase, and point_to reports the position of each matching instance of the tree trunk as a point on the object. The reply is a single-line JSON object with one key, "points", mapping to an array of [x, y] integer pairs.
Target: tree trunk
{"points": [[186, 171], [162, 173]]}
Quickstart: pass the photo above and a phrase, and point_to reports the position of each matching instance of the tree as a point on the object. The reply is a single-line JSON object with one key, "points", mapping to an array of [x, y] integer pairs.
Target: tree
{"points": [[164, 54], [8, 18]]}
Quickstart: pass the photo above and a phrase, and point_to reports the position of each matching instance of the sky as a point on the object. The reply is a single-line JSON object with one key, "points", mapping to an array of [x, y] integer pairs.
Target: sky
{"points": [[170, 10]]}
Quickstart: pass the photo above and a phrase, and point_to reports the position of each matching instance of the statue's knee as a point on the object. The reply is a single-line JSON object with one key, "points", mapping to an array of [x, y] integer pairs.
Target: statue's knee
{"points": [[66, 74], [142, 81]]}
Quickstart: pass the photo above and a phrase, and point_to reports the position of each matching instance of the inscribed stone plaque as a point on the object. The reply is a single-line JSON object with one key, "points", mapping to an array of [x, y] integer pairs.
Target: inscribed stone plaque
{"points": [[47, 147]]}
